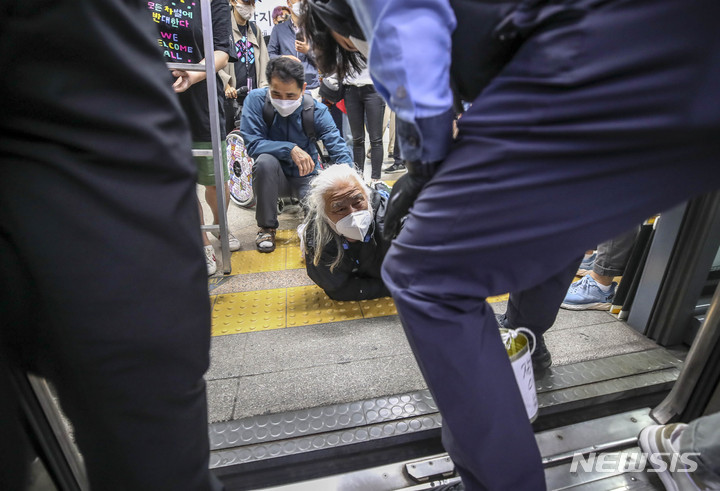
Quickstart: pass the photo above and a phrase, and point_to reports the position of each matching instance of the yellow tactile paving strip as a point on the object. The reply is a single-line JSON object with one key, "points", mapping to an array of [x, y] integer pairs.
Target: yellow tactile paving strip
{"points": [[294, 259], [285, 256], [286, 237], [262, 310], [245, 262], [499, 298], [378, 307], [308, 305], [249, 311]]}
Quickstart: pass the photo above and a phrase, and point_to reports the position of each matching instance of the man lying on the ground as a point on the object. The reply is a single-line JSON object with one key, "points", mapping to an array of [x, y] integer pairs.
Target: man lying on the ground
{"points": [[343, 241]]}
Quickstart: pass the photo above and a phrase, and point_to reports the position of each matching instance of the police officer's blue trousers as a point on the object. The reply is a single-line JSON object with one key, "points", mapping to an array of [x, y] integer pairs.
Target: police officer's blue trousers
{"points": [[596, 123]]}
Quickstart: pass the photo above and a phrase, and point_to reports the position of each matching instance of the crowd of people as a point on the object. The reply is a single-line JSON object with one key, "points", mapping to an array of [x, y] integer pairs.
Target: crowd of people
{"points": [[347, 231], [243, 58], [551, 100]]}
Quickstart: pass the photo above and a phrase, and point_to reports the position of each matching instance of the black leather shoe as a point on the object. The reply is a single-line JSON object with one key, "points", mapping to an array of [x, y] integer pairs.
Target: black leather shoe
{"points": [[541, 358]]}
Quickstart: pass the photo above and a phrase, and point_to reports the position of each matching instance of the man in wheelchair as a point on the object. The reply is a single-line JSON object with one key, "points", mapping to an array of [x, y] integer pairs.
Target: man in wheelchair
{"points": [[280, 126]]}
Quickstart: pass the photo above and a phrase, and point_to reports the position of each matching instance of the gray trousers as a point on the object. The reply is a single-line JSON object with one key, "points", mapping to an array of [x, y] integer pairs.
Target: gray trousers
{"points": [[703, 436], [613, 254], [270, 183]]}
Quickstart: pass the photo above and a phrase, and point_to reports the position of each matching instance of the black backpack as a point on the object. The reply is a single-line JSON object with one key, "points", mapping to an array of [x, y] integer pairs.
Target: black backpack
{"points": [[308, 122]]}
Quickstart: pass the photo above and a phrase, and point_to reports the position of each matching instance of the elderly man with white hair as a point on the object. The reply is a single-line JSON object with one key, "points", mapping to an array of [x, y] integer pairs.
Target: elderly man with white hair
{"points": [[344, 244]]}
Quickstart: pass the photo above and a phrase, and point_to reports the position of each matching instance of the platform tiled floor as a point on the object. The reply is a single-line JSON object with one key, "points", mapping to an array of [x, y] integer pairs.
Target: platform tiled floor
{"points": [[280, 344], [260, 310]]}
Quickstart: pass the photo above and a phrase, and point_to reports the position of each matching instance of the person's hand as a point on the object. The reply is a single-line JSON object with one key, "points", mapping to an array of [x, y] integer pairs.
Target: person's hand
{"points": [[186, 79], [302, 47], [403, 195], [230, 92], [303, 160]]}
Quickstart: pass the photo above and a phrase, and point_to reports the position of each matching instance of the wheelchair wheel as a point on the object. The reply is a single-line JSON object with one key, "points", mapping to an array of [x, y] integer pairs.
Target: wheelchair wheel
{"points": [[240, 170]]}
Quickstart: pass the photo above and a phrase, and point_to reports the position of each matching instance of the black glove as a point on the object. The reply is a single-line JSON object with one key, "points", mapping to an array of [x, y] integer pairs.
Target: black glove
{"points": [[403, 195]]}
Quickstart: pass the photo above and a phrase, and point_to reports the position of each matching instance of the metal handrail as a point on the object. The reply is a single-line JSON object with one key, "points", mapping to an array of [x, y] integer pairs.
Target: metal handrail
{"points": [[705, 342], [202, 152], [188, 67], [209, 69], [215, 131], [52, 413]]}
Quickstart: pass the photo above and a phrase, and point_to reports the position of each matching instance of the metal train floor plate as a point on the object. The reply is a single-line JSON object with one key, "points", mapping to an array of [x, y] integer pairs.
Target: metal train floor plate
{"points": [[616, 434], [308, 422], [603, 369], [293, 446], [565, 387]]}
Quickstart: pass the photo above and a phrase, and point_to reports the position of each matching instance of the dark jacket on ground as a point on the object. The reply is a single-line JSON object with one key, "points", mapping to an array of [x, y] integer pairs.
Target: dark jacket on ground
{"points": [[357, 277]]}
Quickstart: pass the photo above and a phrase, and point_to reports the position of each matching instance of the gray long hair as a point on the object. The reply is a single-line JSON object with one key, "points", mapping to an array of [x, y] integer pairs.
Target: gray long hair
{"points": [[326, 181]]}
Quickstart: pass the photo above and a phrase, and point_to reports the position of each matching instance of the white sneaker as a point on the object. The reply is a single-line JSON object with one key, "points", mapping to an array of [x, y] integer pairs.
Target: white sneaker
{"points": [[210, 260], [232, 240], [662, 441]]}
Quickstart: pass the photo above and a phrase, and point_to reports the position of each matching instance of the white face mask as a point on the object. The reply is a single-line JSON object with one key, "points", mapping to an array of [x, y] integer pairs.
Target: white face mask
{"points": [[353, 226], [285, 107], [362, 46], [296, 9], [245, 10]]}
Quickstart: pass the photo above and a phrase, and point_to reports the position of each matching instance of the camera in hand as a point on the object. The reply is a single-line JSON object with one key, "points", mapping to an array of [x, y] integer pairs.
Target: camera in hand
{"points": [[242, 91]]}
